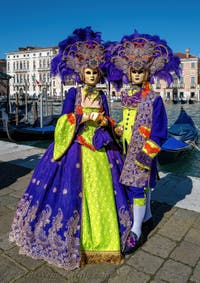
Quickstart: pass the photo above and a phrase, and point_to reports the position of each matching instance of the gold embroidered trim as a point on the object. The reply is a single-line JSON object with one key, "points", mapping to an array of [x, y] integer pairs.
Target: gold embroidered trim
{"points": [[88, 257]]}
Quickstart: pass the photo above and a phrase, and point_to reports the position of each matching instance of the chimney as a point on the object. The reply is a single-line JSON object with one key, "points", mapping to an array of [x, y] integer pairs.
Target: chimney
{"points": [[187, 52]]}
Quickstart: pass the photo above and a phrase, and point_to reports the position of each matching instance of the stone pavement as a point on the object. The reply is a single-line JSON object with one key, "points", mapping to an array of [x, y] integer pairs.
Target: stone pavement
{"points": [[171, 253]]}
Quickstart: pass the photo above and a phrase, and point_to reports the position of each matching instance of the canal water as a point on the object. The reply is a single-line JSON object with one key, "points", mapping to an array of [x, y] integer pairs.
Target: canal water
{"points": [[188, 164]]}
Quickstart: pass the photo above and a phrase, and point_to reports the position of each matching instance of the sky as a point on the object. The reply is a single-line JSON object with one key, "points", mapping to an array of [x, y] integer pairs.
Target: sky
{"points": [[45, 23]]}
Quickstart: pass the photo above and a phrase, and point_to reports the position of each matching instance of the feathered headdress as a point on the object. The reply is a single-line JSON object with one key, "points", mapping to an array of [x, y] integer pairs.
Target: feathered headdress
{"points": [[83, 49], [142, 51]]}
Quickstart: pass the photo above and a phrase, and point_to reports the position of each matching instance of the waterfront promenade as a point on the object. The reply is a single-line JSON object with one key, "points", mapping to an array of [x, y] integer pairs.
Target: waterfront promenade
{"points": [[171, 254]]}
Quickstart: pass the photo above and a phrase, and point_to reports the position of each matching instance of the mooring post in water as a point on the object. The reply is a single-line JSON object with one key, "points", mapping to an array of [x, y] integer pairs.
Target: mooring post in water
{"points": [[17, 109], [41, 111], [35, 111]]}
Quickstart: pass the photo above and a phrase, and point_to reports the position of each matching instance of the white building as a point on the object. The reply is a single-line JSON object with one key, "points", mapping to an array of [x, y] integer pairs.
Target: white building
{"points": [[30, 69]]}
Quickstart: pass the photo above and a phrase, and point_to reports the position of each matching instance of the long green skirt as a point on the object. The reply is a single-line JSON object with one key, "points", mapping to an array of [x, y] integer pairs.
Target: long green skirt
{"points": [[100, 239]]}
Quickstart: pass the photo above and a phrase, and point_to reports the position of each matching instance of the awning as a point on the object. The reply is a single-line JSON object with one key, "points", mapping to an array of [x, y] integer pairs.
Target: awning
{"points": [[4, 76]]}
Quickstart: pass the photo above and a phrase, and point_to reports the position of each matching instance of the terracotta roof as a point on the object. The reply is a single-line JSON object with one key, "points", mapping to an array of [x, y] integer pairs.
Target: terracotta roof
{"points": [[183, 55]]}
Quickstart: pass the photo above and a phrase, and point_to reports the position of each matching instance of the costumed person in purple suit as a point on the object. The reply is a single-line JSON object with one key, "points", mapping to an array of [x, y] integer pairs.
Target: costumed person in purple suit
{"points": [[74, 210], [137, 60]]}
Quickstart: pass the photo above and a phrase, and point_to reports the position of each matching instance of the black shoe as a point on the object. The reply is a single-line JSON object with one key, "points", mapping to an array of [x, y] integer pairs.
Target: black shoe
{"points": [[148, 225], [132, 243]]}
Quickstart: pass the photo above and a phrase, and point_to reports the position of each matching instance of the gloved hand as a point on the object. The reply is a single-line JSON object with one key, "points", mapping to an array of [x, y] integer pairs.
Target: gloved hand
{"points": [[103, 122], [119, 130]]}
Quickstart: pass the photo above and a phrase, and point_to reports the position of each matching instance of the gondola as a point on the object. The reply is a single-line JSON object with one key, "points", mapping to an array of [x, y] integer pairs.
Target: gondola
{"points": [[26, 131], [182, 137], [37, 131]]}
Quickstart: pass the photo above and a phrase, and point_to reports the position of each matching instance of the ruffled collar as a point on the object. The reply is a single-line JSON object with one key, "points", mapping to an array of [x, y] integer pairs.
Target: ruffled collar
{"points": [[133, 96], [90, 91]]}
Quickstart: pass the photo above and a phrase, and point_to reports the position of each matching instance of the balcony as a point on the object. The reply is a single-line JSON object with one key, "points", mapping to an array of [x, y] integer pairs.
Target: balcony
{"points": [[42, 69]]}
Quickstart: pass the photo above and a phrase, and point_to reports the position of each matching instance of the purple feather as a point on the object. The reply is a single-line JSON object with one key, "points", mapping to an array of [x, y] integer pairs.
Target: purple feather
{"points": [[58, 65]]}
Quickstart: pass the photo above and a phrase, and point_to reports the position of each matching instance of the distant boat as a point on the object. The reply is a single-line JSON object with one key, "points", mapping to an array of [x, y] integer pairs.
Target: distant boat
{"points": [[191, 101], [175, 101], [183, 101], [35, 131], [115, 99], [182, 137]]}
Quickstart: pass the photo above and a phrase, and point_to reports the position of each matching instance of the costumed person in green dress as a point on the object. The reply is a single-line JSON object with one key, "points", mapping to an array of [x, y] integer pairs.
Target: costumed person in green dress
{"points": [[137, 60], [74, 210]]}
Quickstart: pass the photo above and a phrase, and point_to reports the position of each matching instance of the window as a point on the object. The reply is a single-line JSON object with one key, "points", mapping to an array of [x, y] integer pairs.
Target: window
{"points": [[181, 82], [181, 94], [158, 85], [192, 81], [192, 65]]}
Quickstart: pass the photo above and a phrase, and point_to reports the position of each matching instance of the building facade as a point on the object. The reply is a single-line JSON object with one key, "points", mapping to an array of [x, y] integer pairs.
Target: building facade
{"points": [[30, 69], [3, 83], [187, 87]]}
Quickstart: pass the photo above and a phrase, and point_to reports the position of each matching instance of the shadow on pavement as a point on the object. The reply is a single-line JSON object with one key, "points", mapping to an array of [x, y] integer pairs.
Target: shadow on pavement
{"points": [[171, 189], [14, 169], [10, 173]]}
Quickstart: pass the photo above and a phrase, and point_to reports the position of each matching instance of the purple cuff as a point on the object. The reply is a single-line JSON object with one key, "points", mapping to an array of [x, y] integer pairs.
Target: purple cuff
{"points": [[101, 138], [144, 159]]}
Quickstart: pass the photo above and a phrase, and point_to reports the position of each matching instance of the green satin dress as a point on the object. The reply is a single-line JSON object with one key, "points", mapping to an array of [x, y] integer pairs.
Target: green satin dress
{"points": [[100, 232]]}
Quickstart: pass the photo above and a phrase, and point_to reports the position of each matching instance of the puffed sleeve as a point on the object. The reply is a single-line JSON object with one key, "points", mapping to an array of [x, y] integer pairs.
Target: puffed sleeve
{"points": [[159, 124], [69, 102]]}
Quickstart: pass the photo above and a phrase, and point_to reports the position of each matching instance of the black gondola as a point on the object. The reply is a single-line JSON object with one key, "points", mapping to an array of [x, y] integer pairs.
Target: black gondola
{"points": [[182, 137]]}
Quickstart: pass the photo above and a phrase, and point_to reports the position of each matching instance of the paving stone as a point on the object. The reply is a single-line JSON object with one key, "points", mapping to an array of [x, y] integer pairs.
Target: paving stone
{"points": [[7, 199], [186, 215], [159, 245], [196, 274], [13, 206], [174, 272], [96, 273], [21, 184], [17, 194], [196, 224], [5, 244], [10, 173], [157, 281], [5, 223], [186, 253], [26, 261], [193, 236], [178, 225], [128, 274], [9, 270], [5, 191], [4, 210], [43, 274], [145, 262]]}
